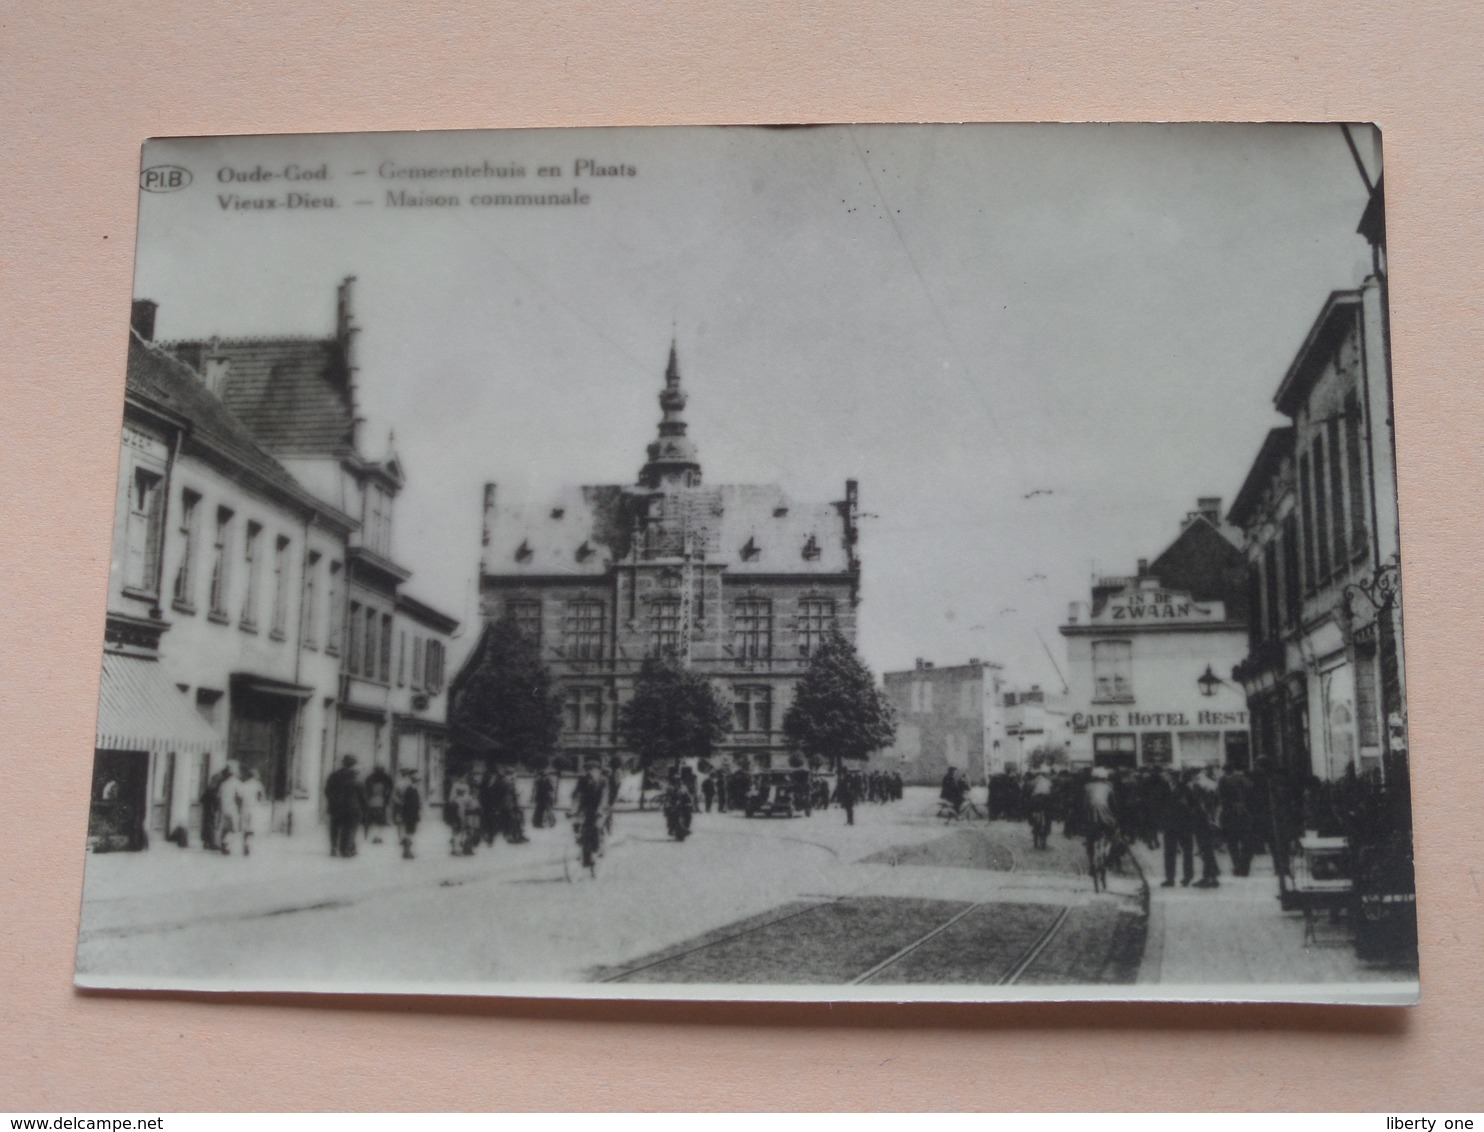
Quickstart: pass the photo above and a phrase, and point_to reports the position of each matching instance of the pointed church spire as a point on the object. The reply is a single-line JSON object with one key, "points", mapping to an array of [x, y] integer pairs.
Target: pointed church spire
{"points": [[672, 457]]}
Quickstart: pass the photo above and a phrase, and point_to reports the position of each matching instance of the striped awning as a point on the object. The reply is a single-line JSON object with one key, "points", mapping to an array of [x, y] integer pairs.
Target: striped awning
{"points": [[139, 709]]}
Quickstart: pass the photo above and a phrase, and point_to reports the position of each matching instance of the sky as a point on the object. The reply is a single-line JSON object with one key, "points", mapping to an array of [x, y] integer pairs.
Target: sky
{"points": [[1034, 346]]}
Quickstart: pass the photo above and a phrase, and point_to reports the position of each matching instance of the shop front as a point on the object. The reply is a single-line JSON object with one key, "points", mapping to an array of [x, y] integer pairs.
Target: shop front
{"points": [[151, 747], [1131, 738], [263, 737]]}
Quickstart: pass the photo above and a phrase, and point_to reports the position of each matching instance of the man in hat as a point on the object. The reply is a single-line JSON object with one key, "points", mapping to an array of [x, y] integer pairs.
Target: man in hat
{"points": [[590, 812], [543, 799], [343, 801], [1170, 797], [1205, 814], [407, 806]]}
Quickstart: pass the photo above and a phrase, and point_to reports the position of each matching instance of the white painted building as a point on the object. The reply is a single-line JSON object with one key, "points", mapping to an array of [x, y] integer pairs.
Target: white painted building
{"points": [[1150, 657], [224, 613]]}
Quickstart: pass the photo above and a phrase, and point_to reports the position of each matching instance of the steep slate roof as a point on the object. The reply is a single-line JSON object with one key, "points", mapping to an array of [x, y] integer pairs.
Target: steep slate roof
{"points": [[1336, 318], [293, 393], [597, 521], [1204, 563], [166, 382], [1277, 445]]}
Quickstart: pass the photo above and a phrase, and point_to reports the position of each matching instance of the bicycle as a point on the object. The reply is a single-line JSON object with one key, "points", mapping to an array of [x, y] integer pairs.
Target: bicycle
{"points": [[1040, 822], [589, 833], [1099, 845]]}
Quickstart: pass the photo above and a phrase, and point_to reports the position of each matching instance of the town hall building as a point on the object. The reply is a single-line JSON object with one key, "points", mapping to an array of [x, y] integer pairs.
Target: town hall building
{"points": [[739, 582]]}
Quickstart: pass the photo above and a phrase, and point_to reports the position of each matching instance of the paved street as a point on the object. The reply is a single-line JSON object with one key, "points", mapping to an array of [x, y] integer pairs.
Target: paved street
{"points": [[897, 899]]}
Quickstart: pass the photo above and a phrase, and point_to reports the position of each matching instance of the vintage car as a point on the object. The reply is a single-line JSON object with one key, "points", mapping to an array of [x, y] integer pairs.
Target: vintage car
{"points": [[773, 794]]}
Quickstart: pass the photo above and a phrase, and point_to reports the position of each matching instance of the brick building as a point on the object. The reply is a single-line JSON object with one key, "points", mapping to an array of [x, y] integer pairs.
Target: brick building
{"points": [[951, 716], [1323, 670]]}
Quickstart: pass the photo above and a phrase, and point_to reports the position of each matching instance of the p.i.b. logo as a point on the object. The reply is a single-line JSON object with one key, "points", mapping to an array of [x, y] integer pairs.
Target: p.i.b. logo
{"points": [[164, 178]]}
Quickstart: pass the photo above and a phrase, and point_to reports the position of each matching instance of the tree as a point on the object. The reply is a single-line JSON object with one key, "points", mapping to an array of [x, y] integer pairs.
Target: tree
{"points": [[1048, 755], [509, 698], [674, 714], [838, 712]]}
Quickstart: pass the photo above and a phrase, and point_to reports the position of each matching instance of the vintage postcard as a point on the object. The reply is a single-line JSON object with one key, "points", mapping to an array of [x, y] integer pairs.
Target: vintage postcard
{"points": [[930, 562]]}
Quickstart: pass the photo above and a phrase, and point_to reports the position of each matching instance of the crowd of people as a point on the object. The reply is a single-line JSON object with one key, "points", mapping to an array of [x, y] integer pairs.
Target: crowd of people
{"points": [[1193, 812], [232, 807]]}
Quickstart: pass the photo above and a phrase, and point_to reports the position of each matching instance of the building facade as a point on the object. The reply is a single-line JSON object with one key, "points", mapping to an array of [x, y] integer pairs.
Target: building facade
{"points": [[419, 705], [948, 717], [1323, 671], [1035, 720], [739, 582], [1150, 656], [299, 398], [222, 622]]}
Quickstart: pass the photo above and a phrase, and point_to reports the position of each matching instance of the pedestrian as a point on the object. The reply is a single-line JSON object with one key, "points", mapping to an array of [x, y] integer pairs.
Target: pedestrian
{"points": [[1170, 796], [543, 800], [211, 809], [462, 815], [1235, 792], [614, 782], [490, 793], [802, 790], [226, 819], [247, 801], [512, 820], [739, 790], [343, 801], [378, 796], [1205, 811], [408, 809], [846, 790], [708, 791]]}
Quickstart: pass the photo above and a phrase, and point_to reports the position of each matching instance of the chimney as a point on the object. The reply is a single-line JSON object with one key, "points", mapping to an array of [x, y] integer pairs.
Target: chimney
{"points": [[214, 368], [1073, 610], [345, 334], [920, 665], [488, 530], [142, 318], [1210, 507], [1143, 566]]}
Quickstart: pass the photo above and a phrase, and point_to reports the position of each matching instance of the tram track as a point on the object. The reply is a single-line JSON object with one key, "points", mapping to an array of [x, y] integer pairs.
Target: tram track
{"points": [[1004, 965], [873, 937]]}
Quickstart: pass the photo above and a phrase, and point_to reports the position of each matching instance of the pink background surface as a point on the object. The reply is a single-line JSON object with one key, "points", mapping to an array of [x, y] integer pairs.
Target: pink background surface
{"points": [[82, 84]]}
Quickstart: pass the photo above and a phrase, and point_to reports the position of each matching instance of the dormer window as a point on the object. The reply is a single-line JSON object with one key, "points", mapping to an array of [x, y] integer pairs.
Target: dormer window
{"points": [[524, 552], [811, 549], [558, 512], [779, 512], [751, 550], [584, 552]]}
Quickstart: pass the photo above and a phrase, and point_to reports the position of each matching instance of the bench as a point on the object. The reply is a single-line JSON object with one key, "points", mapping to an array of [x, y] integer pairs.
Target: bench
{"points": [[1321, 880]]}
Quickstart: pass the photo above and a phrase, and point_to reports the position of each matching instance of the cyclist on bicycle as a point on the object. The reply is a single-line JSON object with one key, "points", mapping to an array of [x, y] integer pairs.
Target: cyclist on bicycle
{"points": [[589, 813], [1101, 822], [679, 804], [1038, 790]]}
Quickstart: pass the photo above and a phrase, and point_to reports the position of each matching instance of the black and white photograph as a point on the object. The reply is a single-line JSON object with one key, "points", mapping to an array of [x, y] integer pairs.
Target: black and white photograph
{"points": [[883, 562]]}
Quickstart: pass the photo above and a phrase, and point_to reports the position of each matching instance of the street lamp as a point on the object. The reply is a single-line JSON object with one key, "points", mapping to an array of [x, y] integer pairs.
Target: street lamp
{"points": [[1208, 681]]}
